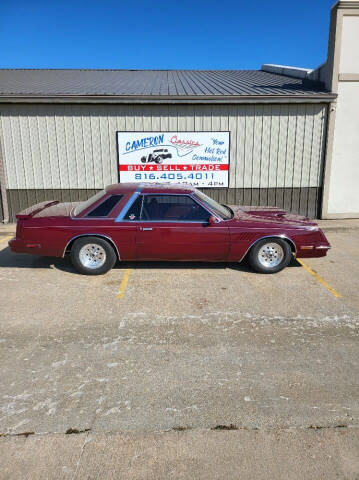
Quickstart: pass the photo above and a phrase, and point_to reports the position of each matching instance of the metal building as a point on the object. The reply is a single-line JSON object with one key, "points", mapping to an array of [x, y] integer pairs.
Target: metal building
{"points": [[58, 131]]}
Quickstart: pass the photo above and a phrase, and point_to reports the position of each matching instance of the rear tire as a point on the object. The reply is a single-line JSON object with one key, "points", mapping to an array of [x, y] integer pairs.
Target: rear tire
{"points": [[92, 256], [270, 255]]}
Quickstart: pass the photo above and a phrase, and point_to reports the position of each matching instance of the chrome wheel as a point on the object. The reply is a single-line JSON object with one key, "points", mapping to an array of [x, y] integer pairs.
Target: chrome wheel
{"points": [[270, 255], [92, 256]]}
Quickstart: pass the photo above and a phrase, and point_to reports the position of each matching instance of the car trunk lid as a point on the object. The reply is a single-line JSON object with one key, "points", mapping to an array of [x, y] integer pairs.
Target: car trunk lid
{"points": [[49, 208]]}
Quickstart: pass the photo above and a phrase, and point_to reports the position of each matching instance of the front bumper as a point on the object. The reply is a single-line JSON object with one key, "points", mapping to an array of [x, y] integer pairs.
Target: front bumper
{"points": [[317, 251], [313, 249], [314, 244]]}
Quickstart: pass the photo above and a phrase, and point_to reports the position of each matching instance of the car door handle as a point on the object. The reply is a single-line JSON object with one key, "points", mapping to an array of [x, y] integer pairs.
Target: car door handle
{"points": [[146, 228]]}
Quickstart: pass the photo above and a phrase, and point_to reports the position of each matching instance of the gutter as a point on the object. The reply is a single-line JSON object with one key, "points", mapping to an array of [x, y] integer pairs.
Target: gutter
{"points": [[178, 99], [3, 189]]}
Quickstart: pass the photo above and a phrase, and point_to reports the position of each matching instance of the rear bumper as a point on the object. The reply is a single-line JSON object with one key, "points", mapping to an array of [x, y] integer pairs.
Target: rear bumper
{"points": [[17, 245]]}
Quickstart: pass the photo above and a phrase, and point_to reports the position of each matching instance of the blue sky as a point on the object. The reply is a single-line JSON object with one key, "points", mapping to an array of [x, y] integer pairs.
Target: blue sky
{"points": [[198, 34]]}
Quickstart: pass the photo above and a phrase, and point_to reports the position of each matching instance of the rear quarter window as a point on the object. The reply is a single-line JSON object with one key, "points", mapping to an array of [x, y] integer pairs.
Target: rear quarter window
{"points": [[106, 207]]}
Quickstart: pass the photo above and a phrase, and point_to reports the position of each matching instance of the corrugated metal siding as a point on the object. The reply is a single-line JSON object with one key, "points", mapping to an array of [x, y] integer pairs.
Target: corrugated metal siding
{"points": [[276, 151]]}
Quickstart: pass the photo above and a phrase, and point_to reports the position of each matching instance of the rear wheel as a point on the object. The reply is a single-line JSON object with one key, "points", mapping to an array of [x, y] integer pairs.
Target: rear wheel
{"points": [[270, 255], [92, 256]]}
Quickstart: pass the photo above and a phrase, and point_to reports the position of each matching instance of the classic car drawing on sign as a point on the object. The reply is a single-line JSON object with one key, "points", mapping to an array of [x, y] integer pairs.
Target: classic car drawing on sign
{"points": [[164, 222], [157, 156]]}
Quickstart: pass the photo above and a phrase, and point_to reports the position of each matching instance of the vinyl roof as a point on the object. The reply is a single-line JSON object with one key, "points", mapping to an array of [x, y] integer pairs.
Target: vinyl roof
{"points": [[161, 84]]}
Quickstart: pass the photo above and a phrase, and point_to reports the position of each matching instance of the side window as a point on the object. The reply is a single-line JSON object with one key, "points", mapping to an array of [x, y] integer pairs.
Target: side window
{"points": [[106, 207], [172, 208], [134, 211]]}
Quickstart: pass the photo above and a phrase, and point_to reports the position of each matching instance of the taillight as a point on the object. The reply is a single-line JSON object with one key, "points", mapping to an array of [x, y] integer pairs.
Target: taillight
{"points": [[19, 229]]}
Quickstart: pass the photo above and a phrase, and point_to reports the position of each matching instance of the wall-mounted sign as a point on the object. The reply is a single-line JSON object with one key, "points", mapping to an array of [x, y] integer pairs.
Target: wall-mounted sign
{"points": [[197, 158]]}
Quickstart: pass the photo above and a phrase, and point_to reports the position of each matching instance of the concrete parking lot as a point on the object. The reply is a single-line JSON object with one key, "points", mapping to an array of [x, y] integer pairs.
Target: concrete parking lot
{"points": [[180, 370]]}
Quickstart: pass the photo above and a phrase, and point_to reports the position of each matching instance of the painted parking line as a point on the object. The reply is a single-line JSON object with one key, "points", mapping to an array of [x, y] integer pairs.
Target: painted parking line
{"points": [[4, 239], [124, 282], [319, 279]]}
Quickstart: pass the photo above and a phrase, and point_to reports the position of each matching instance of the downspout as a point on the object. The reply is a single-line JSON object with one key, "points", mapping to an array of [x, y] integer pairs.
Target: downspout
{"points": [[3, 188]]}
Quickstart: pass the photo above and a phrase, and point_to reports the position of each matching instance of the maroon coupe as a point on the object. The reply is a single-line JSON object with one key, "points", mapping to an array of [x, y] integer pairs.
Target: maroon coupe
{"points": [[164, 222]]}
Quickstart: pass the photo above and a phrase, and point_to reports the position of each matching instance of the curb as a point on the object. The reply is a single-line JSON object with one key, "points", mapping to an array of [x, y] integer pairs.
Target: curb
{"points": [[339, 229]]}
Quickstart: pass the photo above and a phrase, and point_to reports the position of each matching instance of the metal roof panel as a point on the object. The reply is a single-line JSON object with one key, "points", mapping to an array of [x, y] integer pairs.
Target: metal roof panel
{"points": [[173, 83]]}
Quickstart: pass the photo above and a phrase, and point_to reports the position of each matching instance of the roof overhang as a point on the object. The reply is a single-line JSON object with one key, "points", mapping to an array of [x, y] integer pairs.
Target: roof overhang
{"points": [[187, 99]]}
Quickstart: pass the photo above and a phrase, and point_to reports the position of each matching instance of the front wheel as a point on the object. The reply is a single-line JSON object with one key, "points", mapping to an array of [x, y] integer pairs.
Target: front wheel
{"points": [[92, 256], [270, 255]]}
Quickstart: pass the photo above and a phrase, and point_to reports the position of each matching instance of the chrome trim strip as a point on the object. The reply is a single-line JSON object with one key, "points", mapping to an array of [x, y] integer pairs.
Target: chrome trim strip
{"points": [[118, 219], [164, 221], [323, 247], [270, 236], [94, 218], [128, 205], [92, 235]]}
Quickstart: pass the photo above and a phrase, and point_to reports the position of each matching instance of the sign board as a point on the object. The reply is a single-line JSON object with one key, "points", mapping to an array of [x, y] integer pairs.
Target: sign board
{"points": [[197, 158]]}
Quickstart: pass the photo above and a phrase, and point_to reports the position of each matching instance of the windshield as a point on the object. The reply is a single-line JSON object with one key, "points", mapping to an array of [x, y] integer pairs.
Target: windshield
{"points": [[83, 205], [222, 211]]}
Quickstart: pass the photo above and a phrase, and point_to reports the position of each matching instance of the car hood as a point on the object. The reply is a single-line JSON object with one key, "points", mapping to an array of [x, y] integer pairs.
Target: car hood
{"points": [[270, 215]]}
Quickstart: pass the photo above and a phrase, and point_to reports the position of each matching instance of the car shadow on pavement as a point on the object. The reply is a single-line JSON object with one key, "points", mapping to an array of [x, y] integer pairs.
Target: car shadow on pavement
{"points": [[241, 267], [18, 260], [165, 265]]}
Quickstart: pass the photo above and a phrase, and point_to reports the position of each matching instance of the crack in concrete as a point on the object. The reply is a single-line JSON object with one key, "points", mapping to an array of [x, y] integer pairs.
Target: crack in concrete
{"points": [[232, 426], [319, 427], [21, 434], [80, 456], [71, 431], [182, 428]]}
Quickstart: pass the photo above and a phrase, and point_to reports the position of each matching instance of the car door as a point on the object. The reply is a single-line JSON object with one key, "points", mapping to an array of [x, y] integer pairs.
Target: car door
{"points": [[175, 227]]}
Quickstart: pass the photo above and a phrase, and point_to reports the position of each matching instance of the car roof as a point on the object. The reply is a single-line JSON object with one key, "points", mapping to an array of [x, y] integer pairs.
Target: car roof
{"points": [[149, 188]]}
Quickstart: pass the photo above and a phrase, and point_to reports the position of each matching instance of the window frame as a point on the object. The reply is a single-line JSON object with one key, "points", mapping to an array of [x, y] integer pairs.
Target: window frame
{"points": [[127, 207], [83, 212], [112, 214], [113, 209]]}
